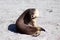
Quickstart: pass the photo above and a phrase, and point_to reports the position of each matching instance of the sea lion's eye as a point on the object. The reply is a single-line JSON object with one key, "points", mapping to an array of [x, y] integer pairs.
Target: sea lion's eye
{"points": [[32, 16]]}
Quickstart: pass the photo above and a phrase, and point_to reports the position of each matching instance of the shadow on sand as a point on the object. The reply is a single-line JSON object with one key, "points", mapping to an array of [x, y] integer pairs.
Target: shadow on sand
{"points": [[12, 28]]}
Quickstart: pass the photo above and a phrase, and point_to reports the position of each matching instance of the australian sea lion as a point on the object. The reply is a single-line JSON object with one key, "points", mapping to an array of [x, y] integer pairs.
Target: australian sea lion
{"points": [[26, 23]]}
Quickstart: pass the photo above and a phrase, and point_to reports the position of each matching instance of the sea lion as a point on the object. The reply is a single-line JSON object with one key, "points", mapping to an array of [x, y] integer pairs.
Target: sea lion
{"points": [[26, 23]]}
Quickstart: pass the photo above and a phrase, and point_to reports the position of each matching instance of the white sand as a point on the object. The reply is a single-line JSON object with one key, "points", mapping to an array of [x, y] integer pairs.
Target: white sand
{"points": [[49, 18]]}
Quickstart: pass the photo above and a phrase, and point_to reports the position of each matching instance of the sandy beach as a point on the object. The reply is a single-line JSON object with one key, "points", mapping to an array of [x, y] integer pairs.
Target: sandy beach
{"points": [[49, 18]]}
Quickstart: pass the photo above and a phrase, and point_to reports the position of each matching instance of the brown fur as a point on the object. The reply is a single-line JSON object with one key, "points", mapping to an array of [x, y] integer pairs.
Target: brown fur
{"points": [[26, 23]]}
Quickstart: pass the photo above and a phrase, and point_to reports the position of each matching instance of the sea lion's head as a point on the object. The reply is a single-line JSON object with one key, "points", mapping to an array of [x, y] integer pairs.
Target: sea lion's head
{"points": [[34, 13], [30, 14]]}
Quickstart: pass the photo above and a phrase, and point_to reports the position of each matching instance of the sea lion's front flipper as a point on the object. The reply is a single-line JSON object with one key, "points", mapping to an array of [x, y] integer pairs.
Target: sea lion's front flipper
{"points": [[41, 29]]}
